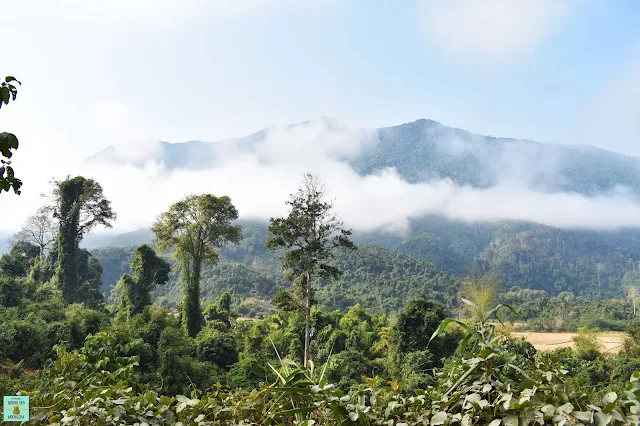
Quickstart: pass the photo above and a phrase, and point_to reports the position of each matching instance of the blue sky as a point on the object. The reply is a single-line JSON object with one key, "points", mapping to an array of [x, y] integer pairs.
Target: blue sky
{"points": [[96, 72]]}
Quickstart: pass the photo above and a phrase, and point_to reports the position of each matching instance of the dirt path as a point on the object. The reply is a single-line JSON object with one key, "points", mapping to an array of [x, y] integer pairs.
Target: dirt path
{"points": [[611, 341]]}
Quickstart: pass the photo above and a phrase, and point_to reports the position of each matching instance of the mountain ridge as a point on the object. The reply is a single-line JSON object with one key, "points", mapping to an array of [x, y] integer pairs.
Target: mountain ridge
{"points": [[423, 150]]}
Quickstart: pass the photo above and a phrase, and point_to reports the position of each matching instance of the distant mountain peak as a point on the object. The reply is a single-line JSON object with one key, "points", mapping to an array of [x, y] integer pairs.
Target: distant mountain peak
{"points": [[419, 151], [330, 123]]}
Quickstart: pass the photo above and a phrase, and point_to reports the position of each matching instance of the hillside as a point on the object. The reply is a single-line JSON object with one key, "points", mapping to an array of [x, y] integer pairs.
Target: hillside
{"points": [[389, 270], [523, 255], [376, 278]]}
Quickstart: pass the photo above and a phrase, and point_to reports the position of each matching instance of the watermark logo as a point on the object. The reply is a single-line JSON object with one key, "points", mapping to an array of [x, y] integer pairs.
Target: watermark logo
{"points": [[16, 408]]}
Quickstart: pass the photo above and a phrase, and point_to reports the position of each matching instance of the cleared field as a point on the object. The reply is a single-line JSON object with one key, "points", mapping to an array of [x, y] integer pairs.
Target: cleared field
{"points": [[611, 341]]}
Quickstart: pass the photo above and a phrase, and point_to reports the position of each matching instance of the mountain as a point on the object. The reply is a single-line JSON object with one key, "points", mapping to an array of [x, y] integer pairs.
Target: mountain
{"points": [[134, 238], [434, 252], [423, 150], [426, 149]]}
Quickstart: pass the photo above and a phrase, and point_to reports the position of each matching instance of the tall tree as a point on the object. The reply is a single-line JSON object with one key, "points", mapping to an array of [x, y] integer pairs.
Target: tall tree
{"points": [[148, 269], [79, 206], [8, 141], [309, 234], [194, 228], [39, 229]]}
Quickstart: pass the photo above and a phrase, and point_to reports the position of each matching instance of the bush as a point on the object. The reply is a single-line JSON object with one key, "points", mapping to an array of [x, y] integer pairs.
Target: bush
{"points": [[11, 291], [81, 321], [26, 339], [217, 347], [249, 373]]}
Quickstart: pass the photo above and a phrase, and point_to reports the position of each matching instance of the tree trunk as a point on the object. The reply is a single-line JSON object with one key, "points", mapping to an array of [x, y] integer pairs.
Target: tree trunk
{"points": [[68, 248], [191, 306], [307, 327]]}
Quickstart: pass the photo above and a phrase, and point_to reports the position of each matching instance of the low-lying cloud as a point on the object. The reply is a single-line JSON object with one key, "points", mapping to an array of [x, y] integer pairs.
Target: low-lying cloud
{"points": [[259, 179]]}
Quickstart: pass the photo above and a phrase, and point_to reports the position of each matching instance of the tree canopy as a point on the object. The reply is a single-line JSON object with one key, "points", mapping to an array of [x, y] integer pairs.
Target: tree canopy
{"points": [[309, 234], [195, 228]]}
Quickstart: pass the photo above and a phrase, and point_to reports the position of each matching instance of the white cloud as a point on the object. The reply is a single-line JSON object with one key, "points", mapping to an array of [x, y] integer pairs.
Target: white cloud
{"points": [[260, 181], [489, 29]]}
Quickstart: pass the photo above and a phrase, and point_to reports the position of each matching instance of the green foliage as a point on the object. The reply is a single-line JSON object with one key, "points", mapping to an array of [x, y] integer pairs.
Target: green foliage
{"points": [[11, 291], [194, 228], [216, 346], [89, 272], [102, 365], [8, 141], [18, 262], [148, 271], [250, 372], [567, 312], [310, 235], [28, 338], [36, 272], [420, 318], [100, 384], [8, 90], [374, 277], [385, 281], [386, 276], [220, 312]]}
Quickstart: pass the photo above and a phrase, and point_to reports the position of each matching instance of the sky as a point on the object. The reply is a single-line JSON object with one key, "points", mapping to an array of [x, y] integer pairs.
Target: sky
{"points": [[95, 73]]}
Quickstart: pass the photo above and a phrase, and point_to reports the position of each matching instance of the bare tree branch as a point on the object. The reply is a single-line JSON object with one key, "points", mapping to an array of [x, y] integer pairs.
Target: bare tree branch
{"points": [[39, 229]]}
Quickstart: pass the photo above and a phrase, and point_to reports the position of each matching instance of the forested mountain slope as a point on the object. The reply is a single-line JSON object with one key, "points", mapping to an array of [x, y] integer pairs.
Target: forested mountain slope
{"points": [[388, 270], [374, 277]]}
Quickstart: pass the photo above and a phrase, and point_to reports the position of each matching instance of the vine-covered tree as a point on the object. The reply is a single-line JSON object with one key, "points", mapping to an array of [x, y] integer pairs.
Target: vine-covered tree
{"points": [[309, 234], [79, 206], [39, 229], [8, 141], [147, 270], [194, 228], [220, 311]]}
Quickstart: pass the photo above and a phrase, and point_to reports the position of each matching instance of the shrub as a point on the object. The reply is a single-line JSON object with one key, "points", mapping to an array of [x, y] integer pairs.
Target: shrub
{"points": [[217, 347], [587, 345]]}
